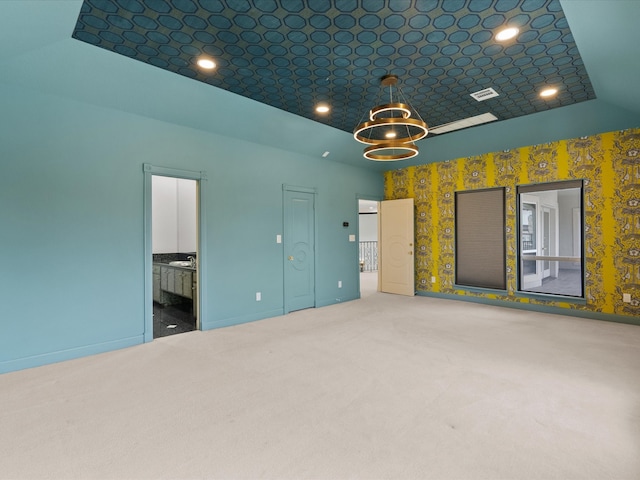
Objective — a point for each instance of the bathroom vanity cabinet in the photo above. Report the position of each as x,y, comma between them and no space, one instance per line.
177,280
169,281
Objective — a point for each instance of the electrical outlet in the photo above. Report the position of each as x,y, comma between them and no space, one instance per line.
258,296
339,283
433,279
626,297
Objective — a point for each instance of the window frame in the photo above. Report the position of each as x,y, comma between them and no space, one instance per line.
480,286
528,190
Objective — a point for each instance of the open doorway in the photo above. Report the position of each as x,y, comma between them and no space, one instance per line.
174,250
368,246
195,195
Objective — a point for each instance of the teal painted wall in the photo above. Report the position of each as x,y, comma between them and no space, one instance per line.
71,217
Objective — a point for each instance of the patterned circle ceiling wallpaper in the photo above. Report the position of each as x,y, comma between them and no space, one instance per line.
292,54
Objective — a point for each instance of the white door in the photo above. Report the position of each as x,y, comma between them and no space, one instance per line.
550,239
546,241
530,270
396,261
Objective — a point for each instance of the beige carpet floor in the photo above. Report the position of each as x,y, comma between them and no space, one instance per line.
385,387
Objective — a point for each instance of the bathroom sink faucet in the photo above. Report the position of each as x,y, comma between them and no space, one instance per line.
192,260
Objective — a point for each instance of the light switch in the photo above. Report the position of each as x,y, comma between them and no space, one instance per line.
352,238
278,238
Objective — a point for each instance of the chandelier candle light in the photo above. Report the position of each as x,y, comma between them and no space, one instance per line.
390,130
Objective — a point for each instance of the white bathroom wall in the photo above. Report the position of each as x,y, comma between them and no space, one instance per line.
164,208
173,215
187,223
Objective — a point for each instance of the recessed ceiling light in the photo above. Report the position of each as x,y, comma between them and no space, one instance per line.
548,92
507,34
206,64
390,134
325,154
322,108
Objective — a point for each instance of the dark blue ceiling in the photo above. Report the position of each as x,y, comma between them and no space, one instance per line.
291,54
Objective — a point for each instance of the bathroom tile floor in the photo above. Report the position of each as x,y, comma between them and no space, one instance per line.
172,319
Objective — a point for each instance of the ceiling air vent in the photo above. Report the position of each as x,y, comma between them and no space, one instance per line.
484,94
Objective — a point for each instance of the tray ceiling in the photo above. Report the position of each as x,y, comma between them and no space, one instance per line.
292,54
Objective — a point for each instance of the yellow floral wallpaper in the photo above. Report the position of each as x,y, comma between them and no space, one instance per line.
608,163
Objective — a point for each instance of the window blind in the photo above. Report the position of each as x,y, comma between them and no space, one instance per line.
480,238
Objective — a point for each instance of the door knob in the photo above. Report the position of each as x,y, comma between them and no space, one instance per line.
290,257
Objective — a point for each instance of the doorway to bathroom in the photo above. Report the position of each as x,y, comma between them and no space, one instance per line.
173,256
174,247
